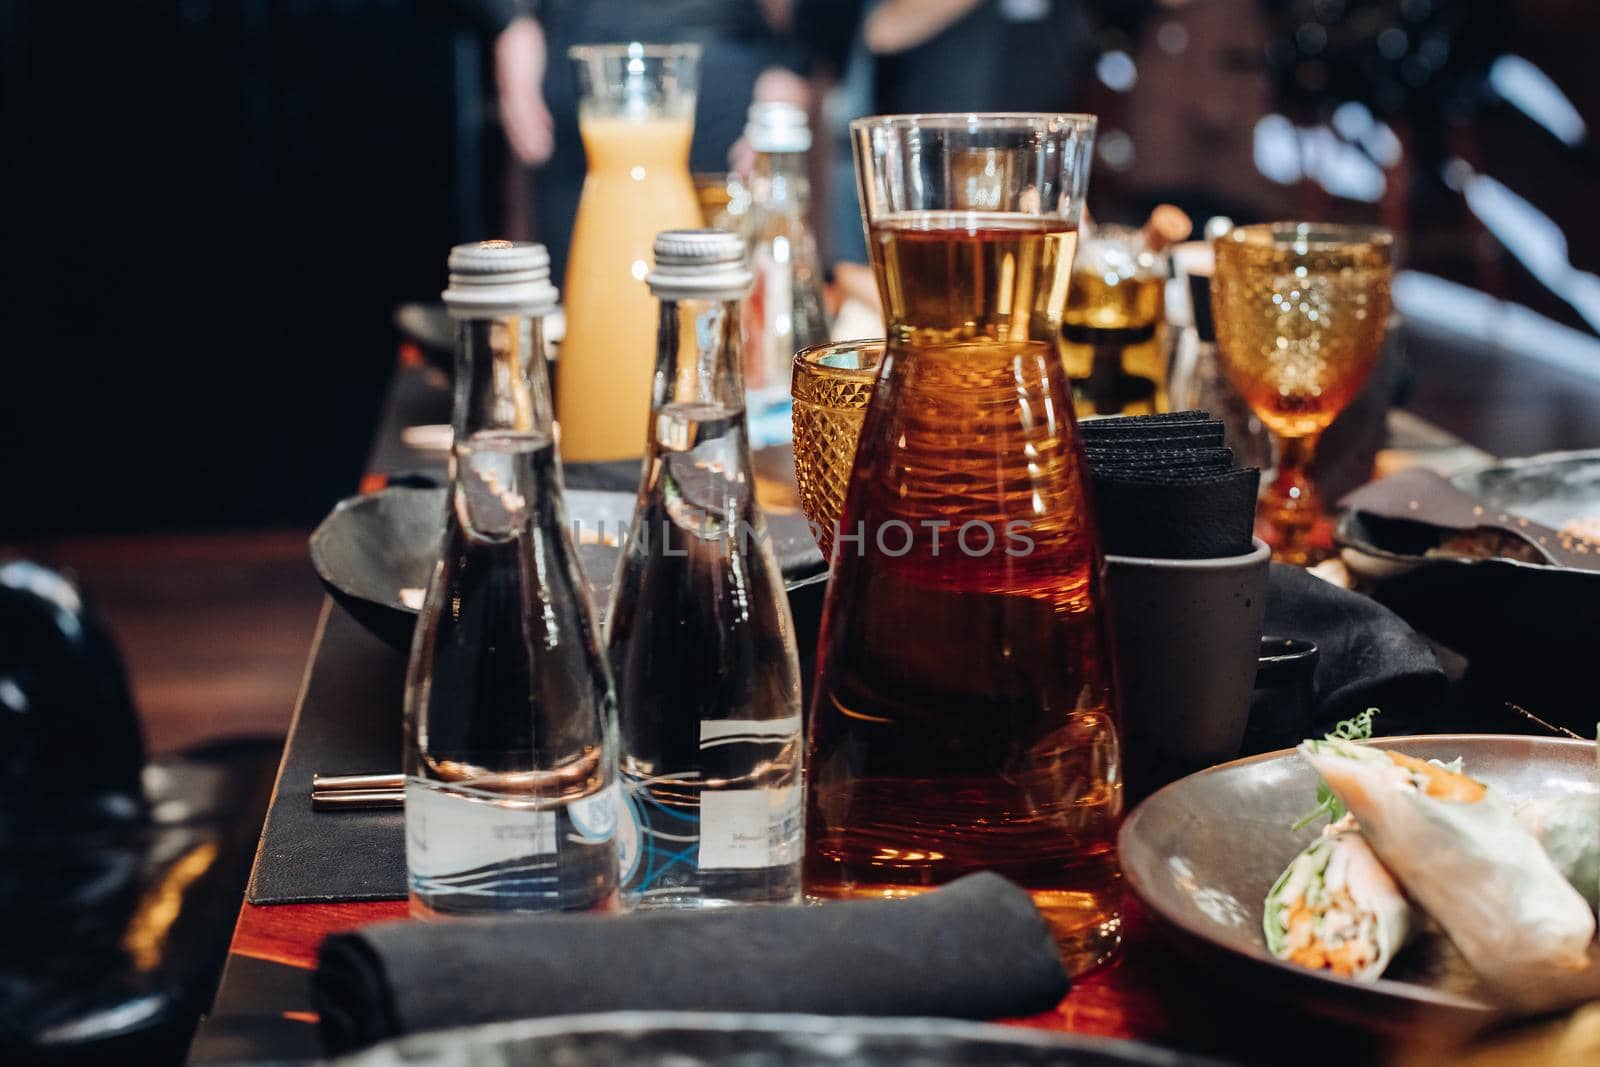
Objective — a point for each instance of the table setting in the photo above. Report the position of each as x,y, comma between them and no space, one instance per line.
1015,711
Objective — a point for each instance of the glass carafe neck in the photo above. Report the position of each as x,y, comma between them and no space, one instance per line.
502,383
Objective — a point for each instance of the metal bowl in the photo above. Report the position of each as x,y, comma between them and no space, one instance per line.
1202,853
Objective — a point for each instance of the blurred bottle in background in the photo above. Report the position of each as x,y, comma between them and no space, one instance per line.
785,311
724,199
1114,324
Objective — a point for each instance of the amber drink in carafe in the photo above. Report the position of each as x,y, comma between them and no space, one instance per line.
965,714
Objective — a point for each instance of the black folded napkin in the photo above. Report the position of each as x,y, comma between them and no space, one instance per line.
1180,515
1132,460
1186,435
1166,487
1143,422
1179,429
975,949
1369,656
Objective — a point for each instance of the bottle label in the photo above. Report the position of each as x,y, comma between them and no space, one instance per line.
743,829
448,834
595,816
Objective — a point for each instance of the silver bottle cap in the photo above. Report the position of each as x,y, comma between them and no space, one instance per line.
489,279
699,265
777,126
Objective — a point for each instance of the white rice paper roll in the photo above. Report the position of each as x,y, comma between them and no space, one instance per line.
1469,864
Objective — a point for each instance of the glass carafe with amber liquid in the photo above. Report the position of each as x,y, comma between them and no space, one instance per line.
965,714
636,116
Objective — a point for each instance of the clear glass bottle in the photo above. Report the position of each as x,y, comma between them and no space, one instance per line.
510,739
700,637
785,311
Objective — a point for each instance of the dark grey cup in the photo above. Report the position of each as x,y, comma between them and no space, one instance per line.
1187,635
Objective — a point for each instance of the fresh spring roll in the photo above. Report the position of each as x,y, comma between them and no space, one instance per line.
1569,830
1458,850
1335,908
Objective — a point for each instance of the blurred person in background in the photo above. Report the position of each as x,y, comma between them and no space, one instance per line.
911,56
747,53
977,55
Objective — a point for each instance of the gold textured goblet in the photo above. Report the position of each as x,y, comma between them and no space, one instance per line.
1301,309
831,387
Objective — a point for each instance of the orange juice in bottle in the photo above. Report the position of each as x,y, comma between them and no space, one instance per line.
636,115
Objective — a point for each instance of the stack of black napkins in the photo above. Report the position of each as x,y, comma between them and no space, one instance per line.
1166,487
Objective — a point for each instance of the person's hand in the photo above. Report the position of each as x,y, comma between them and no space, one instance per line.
519,61
775,83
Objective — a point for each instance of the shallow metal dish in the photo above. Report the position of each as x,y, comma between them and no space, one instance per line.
1554,488
1202,853
672,1039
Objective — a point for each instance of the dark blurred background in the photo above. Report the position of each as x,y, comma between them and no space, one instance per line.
213,206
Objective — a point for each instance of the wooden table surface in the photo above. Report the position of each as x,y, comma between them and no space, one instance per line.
1149,992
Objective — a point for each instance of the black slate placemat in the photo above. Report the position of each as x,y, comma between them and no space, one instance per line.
348,722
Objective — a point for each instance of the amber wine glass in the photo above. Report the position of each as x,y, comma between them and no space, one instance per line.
1301,309
831,386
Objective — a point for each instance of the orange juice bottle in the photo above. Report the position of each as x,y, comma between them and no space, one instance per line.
636,115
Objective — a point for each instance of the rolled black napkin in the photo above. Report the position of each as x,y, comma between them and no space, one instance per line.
975,949
1369,656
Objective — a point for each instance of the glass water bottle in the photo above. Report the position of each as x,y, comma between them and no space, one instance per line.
510,753
785,311
700,637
